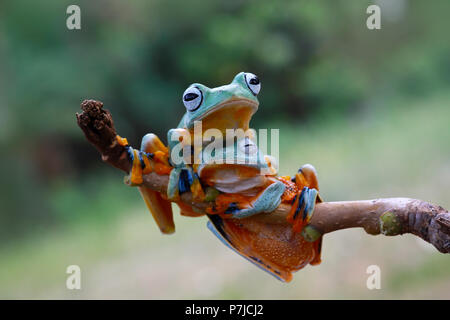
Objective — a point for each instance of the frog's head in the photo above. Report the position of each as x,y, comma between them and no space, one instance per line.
226,107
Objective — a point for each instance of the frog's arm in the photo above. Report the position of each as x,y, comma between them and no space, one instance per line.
267,201
160,208
153,156
182,178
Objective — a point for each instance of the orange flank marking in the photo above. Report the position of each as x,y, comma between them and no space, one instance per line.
223,201
290,191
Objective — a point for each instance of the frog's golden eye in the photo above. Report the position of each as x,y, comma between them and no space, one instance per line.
252,82
192,98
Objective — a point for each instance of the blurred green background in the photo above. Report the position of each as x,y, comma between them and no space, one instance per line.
369,108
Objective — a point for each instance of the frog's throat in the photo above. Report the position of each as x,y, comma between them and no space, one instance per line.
234,113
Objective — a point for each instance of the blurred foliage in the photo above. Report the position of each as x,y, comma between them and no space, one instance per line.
127,257
317,60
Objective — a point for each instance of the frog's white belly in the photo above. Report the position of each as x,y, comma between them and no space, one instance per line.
233,179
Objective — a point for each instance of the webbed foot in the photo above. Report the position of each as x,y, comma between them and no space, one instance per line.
140,161
304,202
302,208
184,179
153,156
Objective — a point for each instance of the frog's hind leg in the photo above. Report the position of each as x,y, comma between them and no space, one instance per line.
237,239
303,205
302,208
307,177
304,202
160,208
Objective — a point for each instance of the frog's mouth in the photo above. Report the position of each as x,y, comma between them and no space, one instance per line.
234,113
232,178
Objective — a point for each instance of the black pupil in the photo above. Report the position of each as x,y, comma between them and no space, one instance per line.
190,96
254,81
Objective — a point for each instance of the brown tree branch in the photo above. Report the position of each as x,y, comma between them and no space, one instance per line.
391,216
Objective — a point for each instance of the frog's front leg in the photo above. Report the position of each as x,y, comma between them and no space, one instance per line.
304,202
175,138
153,156
182,178
139,161
267,201
160,207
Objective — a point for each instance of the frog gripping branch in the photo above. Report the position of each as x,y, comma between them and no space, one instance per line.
275,222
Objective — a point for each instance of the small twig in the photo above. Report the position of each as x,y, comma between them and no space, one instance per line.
391,216
98,127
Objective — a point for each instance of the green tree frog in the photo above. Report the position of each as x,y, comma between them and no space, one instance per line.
243,183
